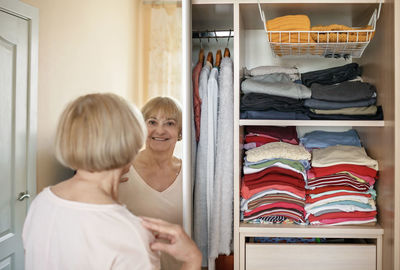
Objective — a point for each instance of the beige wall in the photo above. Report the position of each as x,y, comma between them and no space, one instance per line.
84,46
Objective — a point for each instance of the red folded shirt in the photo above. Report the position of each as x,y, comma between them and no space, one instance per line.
259,139
286,134
359,169
273,183
276,177
355,214
247,191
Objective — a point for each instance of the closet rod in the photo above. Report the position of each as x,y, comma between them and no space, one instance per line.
213,34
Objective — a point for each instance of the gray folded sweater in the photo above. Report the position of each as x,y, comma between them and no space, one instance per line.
277,84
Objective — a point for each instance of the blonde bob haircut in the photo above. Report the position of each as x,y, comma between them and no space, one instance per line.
167,106
99,132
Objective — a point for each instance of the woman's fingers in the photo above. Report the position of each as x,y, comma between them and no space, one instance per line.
123,179
164,236
178,244
159,246
162,227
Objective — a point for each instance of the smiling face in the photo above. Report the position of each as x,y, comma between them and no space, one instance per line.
162,132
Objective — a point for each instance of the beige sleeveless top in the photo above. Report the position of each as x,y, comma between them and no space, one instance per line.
143,200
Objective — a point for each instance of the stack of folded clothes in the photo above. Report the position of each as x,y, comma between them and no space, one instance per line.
340,183
273,184
337,94
271,92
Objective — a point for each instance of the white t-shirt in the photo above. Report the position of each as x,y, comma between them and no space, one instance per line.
60,234
143,200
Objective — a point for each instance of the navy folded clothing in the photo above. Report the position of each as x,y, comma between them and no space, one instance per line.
345,92
262,102
273,114
331,75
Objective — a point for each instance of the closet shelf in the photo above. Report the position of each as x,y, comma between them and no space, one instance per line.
333,41
306,123
308,1
292,230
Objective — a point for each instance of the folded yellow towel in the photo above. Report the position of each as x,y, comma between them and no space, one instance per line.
359,36
289,23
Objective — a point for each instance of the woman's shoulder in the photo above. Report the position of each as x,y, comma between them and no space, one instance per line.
177,161
133,239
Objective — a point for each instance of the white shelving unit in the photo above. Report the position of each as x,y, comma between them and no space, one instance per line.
314,123
322,42
379,137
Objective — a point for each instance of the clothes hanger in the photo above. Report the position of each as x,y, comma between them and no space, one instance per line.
218,56
201,56
227,53
201,53
210,57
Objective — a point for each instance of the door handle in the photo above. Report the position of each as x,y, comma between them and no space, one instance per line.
23,195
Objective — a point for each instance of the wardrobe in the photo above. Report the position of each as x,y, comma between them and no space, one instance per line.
368,247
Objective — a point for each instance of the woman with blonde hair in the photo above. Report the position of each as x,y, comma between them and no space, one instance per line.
79,223
154,185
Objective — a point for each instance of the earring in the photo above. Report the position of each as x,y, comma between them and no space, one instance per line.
179,137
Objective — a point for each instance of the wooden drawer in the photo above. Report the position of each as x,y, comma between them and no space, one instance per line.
311,256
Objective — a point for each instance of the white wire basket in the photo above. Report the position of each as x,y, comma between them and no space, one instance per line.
336,43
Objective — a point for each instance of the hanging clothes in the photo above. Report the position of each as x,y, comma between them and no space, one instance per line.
222,210
196,97
212,102
200,206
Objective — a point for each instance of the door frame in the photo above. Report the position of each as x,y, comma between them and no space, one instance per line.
187,99
31,14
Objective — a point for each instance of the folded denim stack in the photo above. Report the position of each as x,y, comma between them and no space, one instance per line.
334,96
272,93
274,178
340,183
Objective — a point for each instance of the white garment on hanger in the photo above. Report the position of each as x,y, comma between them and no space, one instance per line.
200,210
212,95
222,212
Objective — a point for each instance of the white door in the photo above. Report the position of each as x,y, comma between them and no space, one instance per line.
15,135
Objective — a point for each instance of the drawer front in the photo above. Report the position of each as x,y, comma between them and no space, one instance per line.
311,256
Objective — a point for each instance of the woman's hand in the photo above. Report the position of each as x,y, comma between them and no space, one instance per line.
172,239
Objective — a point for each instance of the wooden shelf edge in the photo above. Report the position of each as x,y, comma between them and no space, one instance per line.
285,230
321,123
